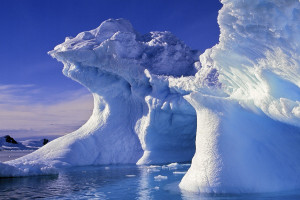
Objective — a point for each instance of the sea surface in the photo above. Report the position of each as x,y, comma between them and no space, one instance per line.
6,155
117,182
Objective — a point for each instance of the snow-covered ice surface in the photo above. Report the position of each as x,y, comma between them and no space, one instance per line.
151,92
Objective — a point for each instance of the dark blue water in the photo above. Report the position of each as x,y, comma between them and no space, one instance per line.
116,182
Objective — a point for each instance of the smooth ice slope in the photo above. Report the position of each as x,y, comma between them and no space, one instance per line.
136,118
248,135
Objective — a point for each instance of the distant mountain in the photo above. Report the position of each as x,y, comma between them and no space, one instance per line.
33,143
9,143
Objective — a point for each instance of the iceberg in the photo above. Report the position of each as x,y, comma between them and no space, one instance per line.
234,111
136,118
248,134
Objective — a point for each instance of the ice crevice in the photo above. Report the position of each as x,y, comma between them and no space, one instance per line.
234,111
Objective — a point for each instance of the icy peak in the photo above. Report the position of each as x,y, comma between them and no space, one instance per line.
111,26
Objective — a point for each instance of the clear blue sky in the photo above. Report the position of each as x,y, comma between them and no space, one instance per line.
31,28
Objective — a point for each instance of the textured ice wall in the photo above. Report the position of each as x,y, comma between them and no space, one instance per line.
136,117
130,73
248,135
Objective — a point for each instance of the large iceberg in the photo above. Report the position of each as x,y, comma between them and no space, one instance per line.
151,92
137,118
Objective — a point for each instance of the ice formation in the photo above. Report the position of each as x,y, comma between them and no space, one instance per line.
248,134
151,92
136,117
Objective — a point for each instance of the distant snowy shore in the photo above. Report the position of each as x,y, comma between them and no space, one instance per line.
7,143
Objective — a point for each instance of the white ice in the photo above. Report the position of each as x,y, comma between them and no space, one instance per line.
151,92
248,135
160,178
136,118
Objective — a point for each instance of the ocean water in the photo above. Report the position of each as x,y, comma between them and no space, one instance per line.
11,155
116,182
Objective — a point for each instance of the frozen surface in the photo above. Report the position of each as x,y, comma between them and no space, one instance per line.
151,92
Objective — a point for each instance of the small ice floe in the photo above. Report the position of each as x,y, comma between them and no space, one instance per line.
171,166
156,188
130,175
153,168
160,178
106,168
176,172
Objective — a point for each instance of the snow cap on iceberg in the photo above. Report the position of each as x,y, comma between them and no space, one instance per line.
115,47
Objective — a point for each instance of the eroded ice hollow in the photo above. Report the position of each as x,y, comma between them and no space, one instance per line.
149,88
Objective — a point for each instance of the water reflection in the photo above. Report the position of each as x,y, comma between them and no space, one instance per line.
27,187
144,187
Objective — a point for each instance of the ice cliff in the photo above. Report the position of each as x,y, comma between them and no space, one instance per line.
151,92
